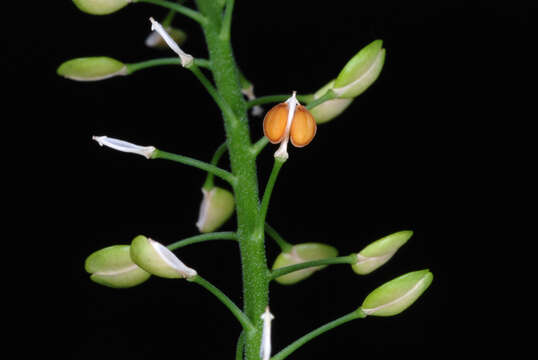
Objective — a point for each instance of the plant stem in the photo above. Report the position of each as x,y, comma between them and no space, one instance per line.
269,190
133,67
259,145
227,22
284,245
351,259
239,347
223,105
243,166
193,14
241,317
223,174
313,334
225,235
209,183
329,95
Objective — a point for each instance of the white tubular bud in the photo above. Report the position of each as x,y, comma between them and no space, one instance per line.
124,146
186,59
265,347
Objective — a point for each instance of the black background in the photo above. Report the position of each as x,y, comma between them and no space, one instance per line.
408,154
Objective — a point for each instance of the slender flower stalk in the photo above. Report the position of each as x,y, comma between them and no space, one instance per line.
240,316
315,333
223,174
351,259
133,67
277,165
284,245
209,183
193,14
225,235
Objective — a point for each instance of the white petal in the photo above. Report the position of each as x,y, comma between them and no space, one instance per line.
124,146
186,59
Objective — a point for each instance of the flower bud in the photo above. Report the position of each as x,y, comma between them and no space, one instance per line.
361,71
92,68
380,251
100,7
330,109
158,260
217,207
398,294
154,40
299,254
113,267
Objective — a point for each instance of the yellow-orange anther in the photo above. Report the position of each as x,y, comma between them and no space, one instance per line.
274,123
303,127
302,130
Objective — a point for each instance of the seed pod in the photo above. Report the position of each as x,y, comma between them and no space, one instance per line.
301,131
379,252
100,7
330,109
361,71
92,68
299,254
217,207
113,267
158,260
398,294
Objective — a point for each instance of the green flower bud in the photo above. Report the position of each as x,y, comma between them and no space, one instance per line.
361,71
217,207
380,251
398,294
154,40
100,7
113,267
158,260
299,254
329,109
92,68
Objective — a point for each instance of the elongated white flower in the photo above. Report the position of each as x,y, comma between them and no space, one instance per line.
186,59
257,110
124,146
265,347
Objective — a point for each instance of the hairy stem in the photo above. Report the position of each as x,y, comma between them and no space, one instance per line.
243,166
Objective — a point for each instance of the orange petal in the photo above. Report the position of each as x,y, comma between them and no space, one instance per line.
303,128
274,123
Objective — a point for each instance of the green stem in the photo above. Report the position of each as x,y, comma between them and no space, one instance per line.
193,14
223,105
225,235
133,67
329,95
227,21
209,183
241,317
223,174
351,259
284,245
239,347
313,334
273,99
243,166
259,145
269,189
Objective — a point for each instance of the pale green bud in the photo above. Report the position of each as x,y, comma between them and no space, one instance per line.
158,259
154,40
92,68
361,71
329,109
113,267
398,294
100,7
217,207
380,251
299,254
